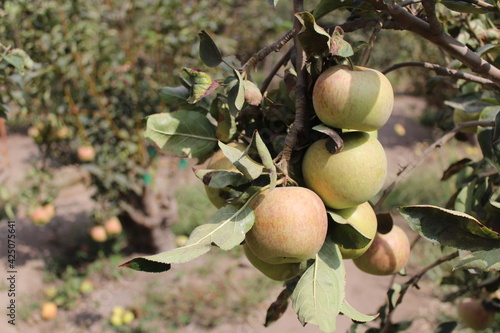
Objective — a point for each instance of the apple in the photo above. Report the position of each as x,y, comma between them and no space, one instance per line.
86,287
362,218
350,177
128,317
387,254
62,133
98,233
48,310
278,272
43,214
473,314
113,226
461,116
360,99
181,240
221,162
86,153
290,225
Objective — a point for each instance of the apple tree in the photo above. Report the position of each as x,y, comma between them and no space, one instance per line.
307,133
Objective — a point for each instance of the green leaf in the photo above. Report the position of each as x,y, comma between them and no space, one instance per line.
209,52
450,228
226,122
313,38
487,261
226,229
344,233
355,315
251,169
463,7
319,294
201,84
470,103
221,178
14,60
486,136
236,95
327,6
446,327
183,133
178,97
267,159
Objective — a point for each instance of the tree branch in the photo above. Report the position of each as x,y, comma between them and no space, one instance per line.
444,71
446,42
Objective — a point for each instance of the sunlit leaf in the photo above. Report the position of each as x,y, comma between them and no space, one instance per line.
267,159
319,294
226,229
182,133
209,52
482,260
355,315
450,228
251,169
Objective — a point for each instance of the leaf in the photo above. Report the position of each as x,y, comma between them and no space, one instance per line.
183,133
327,6
319,294
355,315
336,144
463,7
470,103
221,178
273,3
277,308
236,95
339,47
201,84
14,60
455,168
345,234
226,229
251,169
393,295
487,261
226,122
209,52
267,159
446,327
486,137
450,228
313,38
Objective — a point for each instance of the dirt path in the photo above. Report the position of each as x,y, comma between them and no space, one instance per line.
364,292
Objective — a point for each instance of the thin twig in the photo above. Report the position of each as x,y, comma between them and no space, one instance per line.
444,71
410,166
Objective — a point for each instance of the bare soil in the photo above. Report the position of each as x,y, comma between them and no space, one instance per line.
35,244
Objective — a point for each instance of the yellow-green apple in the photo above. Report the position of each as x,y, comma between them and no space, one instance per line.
113,226
181,240
361,98
290,225
43,214
128,317
350,177
48,310
98,233
278,272
364,220
387,254
219,161
461,116
86,287
473,314
86,153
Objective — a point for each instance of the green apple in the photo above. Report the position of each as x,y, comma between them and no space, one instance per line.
221,162
473,314
350,177
86,287
86,153
387,254
360,99
461,116
363,219
128,317
278,272
290,225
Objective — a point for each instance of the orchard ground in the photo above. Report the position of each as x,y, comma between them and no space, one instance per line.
219,292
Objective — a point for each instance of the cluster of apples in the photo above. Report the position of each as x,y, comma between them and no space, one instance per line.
291,223
111,227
